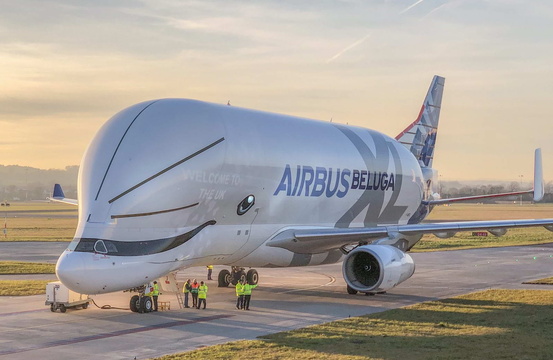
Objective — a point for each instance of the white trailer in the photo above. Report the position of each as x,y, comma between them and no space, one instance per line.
58,296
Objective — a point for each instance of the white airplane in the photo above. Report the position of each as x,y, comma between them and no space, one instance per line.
175,183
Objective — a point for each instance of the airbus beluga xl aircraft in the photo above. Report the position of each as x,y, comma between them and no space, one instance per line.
175,183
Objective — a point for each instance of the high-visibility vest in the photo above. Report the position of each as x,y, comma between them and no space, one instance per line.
239,289
248,289
155,292
202,292
186,288
194,288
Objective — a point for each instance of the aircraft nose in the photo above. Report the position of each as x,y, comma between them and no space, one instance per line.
69,270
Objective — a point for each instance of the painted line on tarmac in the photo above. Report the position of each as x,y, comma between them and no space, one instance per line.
22,312
332,281
114,334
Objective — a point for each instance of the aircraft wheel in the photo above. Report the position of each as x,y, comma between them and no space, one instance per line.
145,304
351,290
239,275
224,278
85,305
252,277
135,303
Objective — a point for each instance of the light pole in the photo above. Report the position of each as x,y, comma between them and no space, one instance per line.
521,176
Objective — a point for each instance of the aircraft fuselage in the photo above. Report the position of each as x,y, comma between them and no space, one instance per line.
175,183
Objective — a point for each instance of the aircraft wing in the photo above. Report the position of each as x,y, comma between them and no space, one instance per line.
59,196
478,197
312,241
537,191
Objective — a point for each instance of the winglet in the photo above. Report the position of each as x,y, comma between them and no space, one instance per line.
538,176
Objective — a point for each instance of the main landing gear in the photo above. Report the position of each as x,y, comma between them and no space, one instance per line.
352,291
236,274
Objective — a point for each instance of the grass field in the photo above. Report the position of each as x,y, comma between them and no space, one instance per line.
38,206
40,229
22,287
21,267
38,221
493,325
459,212
468,212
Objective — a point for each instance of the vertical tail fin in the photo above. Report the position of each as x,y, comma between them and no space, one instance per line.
420,136
58,192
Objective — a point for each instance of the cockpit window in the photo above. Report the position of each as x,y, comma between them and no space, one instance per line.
137,248
100,247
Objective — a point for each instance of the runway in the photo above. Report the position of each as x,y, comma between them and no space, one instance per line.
36,251
286,299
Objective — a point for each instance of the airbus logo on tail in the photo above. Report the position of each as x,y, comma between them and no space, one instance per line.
309,181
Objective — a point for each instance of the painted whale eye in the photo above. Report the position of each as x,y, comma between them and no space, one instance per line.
245,205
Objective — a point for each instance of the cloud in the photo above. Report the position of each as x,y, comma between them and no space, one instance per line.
410,7
348,48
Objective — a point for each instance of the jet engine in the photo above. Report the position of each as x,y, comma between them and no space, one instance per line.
375,268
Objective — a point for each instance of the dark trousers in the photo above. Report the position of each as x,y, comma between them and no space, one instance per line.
200,301
246,302
194,299
155,302
209,272
186,300
240,302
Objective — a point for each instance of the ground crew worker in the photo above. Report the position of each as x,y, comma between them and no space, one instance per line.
155,294
186,290
209,271
247,295
240,294
202,294
194,292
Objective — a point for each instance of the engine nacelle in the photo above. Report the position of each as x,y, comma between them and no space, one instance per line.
374,268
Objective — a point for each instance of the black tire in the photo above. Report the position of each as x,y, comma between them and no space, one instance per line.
62,308
237,276
252,277
351,290
135,303
52,308
85,305
146,304
224,278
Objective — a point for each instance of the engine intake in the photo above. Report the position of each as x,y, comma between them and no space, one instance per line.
374,268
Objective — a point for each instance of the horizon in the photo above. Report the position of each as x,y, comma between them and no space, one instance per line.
69,66
441,179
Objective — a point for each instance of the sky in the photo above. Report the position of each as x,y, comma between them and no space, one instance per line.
66,67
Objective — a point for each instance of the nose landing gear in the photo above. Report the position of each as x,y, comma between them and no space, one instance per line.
141,303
